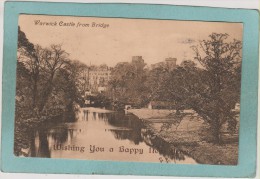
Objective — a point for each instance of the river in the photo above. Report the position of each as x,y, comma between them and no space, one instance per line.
99,134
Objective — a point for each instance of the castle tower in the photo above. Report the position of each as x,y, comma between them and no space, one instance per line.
170,62
137,59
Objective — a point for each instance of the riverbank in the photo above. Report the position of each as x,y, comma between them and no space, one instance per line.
98,110
189,134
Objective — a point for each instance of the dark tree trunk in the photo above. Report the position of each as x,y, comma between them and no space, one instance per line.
32,145
44,150
35,76
216,134
35,91
46,93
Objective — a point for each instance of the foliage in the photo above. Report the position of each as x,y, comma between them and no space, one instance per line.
210,85
221,62
47,86
127,83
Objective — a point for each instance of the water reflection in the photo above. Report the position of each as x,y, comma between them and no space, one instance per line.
132,135
107,130
43,150
163,147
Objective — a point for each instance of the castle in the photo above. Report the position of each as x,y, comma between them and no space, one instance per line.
169,63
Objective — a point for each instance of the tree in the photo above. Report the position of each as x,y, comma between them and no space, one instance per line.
221,62
80,73
156,84
27,61
65,91
127,83
24,98
213,89
24,43
54,59
47,87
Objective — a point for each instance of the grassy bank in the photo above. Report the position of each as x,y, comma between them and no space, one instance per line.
190,135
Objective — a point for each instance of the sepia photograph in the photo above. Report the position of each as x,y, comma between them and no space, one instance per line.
132,90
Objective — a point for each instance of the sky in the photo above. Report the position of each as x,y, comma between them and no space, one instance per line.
113,40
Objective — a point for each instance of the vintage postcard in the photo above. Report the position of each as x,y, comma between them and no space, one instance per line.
133,90
165,92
